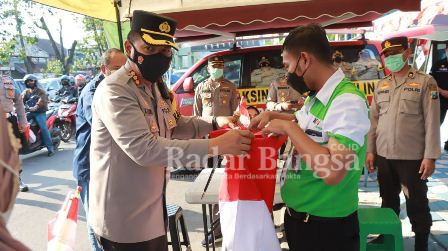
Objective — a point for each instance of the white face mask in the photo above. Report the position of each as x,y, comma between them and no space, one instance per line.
7,214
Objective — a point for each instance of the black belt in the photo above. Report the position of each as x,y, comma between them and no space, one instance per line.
306,217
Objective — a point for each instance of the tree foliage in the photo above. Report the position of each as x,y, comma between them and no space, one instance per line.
12,14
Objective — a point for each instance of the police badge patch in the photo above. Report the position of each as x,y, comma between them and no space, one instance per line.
433,92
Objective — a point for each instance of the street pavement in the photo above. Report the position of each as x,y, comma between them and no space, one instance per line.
50,179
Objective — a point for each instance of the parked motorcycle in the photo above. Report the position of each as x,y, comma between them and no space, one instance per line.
34,140
65,119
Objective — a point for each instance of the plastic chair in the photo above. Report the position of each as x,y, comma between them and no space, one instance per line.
380,221
175,216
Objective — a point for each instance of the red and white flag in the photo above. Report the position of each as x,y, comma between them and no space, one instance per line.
62,228
246,197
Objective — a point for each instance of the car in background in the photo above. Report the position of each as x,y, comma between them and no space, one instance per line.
176,75
51,86
252,70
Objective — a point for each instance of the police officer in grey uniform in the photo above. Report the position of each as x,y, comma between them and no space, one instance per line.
404,139
136,134
11,101
282,98
216,96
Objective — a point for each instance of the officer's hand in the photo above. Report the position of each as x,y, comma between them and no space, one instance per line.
370,160
230,121
277,127
285,106
427,168
22,127
260,121
234,142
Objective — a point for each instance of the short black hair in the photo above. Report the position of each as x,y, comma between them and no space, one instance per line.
133,36
311,38
253,107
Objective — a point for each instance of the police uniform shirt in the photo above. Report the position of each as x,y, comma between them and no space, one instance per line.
132,129
215,98
405,117
11,101
440,73
280,92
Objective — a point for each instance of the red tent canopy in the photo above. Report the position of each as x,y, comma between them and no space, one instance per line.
278,17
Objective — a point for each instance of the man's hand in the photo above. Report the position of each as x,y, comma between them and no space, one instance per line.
234,142
288,106
370,160
34,108
22,127
227,121
443,93
260,121
427,168
277,127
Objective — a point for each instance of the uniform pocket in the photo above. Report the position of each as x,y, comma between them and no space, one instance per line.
9,91
206,99
224,98
410,103
383,103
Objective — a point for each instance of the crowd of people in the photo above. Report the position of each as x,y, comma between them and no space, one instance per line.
126,121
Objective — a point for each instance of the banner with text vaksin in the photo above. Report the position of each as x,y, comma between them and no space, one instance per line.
246,196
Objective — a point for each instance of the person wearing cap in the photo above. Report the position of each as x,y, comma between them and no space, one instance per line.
338,61
282,98
12,103
265,74
440,73
404,139
216,96
136,133
367,67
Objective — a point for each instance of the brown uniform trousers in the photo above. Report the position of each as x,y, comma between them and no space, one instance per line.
405,130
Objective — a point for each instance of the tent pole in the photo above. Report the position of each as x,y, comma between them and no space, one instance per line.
117,14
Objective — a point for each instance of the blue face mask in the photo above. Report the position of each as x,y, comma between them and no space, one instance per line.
216,73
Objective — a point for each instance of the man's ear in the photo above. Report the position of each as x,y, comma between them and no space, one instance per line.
305,59
103,69
127,47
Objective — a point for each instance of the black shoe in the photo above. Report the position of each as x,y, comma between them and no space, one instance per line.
378,240
23,187
50,153
218,237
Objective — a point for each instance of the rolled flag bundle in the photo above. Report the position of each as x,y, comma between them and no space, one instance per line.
244,120
62,228
246,196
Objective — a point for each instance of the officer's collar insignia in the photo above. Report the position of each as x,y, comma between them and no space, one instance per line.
135,77
165,27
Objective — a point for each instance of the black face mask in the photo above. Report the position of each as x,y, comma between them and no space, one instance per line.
338,59
297,82
27,84
152,67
